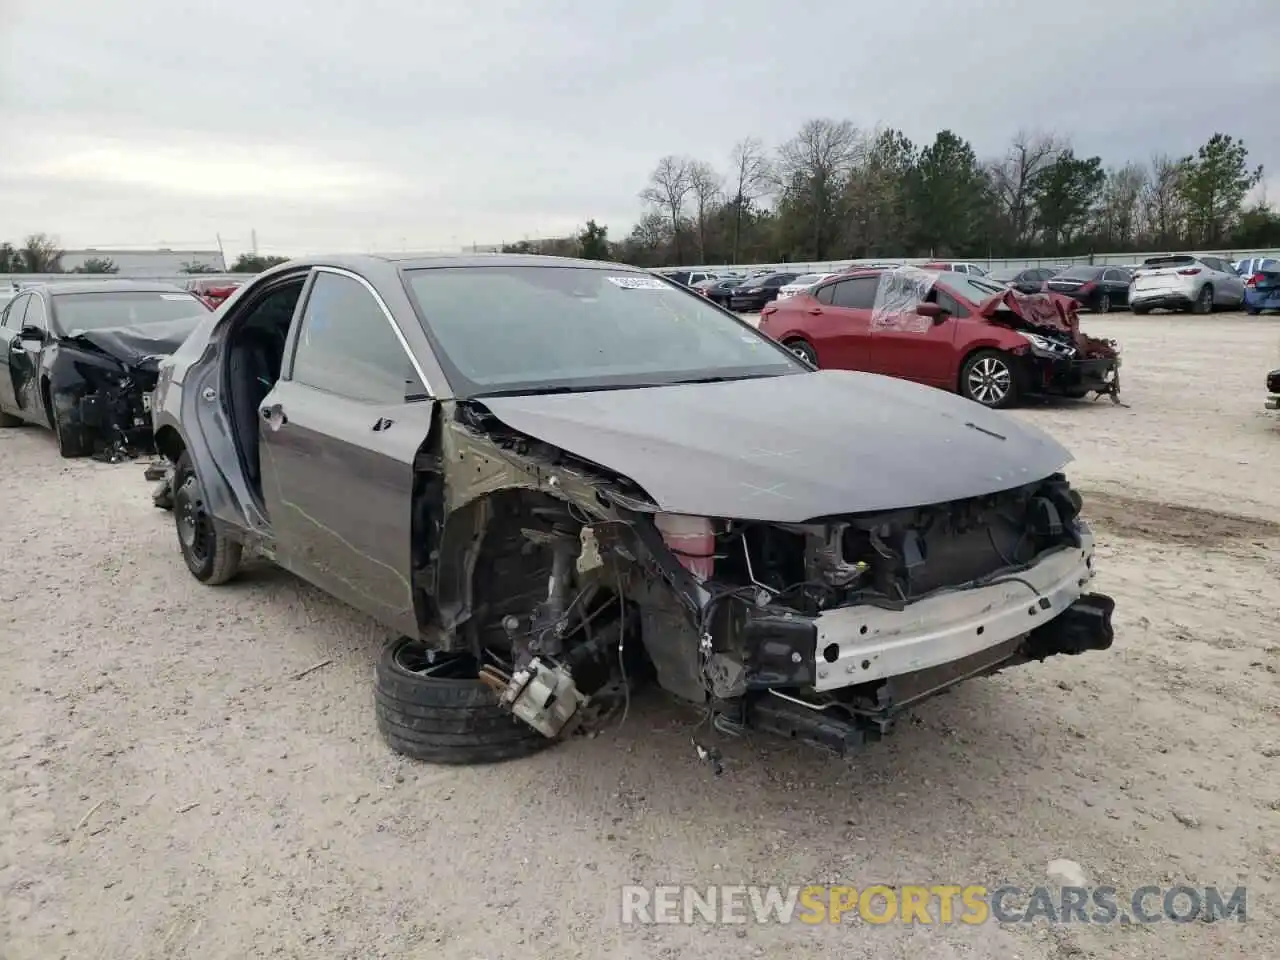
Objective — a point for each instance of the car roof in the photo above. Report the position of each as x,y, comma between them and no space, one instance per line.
414,261
56,287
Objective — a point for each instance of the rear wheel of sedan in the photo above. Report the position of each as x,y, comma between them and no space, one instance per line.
432,706
990,378
1104,303
1204,302
803,349
210,555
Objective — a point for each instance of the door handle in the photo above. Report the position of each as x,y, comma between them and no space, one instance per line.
274,413
814,311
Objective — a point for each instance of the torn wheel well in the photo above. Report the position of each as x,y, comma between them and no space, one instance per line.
482,567
169,443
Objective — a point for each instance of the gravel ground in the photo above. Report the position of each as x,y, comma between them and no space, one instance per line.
168,790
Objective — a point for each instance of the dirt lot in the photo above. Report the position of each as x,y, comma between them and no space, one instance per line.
168,790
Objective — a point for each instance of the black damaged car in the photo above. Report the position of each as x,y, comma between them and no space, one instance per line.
553,478
80,358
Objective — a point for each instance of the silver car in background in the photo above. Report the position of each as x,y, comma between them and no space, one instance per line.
1185,282
802,283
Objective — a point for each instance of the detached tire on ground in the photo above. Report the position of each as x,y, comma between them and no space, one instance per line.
441,713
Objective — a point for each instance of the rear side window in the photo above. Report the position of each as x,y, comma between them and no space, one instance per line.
346,345
856,294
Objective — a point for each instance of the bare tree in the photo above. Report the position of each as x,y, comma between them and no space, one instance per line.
704,184
1164,212
813,168
1119,210
40,253
1013,176
752,176
669,187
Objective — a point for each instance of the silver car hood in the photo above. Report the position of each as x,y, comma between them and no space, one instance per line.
791,448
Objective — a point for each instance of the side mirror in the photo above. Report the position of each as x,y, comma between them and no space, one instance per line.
931,310
32,332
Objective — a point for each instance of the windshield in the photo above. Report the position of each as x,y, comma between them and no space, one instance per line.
518,329
122,308
974,289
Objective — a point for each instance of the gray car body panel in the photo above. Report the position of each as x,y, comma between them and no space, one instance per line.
783,449
792,448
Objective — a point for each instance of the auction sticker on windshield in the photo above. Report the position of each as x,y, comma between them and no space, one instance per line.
637,283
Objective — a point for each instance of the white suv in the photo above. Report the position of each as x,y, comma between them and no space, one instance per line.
1185,282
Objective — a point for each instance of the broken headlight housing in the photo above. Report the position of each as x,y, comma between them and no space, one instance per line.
1047,347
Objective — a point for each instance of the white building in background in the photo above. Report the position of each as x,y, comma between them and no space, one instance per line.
147,263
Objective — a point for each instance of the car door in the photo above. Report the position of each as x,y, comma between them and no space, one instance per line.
841,323
10,328
1232,284
339,434
919,348
1116,283
24,363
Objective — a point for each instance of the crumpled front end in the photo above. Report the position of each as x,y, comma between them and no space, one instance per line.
102,380
570,584
105,400
825,632
1060,359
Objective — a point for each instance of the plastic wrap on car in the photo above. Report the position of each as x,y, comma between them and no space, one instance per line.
898,294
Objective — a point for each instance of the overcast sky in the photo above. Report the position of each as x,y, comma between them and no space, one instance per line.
425,125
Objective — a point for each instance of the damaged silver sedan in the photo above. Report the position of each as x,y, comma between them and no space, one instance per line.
555,480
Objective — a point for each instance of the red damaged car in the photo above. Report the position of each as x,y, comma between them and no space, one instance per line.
950,330
213,290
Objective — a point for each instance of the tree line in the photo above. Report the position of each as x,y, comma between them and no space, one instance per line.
40,253
837,192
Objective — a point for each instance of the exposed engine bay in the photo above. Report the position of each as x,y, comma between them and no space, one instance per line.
571,586
101,382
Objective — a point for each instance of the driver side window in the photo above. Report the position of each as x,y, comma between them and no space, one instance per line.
346,345
35,313
949,303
